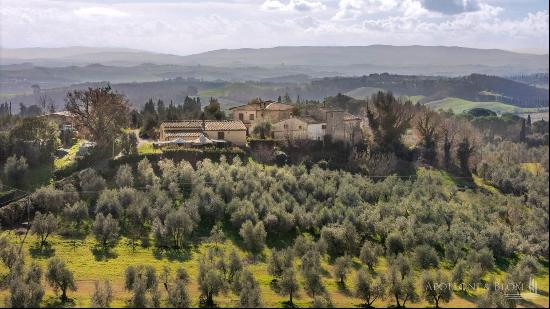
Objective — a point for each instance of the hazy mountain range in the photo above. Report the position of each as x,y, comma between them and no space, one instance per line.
241,74
255,64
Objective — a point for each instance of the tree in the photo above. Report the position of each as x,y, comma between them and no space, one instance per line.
403,290
279,261
60,277
235,265
210,281
75,214
288,284
179,226
459,273
463,153
91,182
342,266
369,254
178,296
389,121
25,290
367,289
213,110
108,203
35,138
142,281
426,257
106,231
437,287
99,113
394,244
129,143
250,295
102,295
124,176
262,128
253,236
427,127
16,169
44,225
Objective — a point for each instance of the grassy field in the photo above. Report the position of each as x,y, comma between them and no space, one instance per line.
147,148
459,106
87,269
69,158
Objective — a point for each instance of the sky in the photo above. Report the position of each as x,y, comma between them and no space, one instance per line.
185,27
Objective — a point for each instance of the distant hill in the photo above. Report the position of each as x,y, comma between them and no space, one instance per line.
474,87
339,60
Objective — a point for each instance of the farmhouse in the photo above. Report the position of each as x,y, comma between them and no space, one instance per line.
231,131
261,110
296,128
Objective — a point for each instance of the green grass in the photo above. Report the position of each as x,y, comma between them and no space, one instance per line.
147,148
69,158
87,269
460,105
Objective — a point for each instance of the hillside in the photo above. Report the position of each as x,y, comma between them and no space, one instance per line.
344,60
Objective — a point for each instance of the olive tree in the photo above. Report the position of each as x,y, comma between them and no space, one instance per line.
102,295
436,287
60,277
142,281
342,266
44,225
253,236
289,285
368,289
105,230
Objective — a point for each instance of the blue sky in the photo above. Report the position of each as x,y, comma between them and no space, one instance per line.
186,26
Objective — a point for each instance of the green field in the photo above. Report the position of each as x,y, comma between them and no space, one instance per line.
88,269
459,106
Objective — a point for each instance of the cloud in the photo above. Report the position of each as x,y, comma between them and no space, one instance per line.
184,27
294,5
97,11
451,7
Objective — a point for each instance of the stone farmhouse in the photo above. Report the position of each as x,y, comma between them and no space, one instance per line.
224,131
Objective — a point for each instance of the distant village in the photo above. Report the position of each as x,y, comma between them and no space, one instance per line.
315,124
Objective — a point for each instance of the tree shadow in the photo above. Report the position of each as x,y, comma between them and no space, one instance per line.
342,288
55,302
287,304
172,254
103,254
45,251
274,285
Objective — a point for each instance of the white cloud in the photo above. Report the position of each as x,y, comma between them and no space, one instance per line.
184,27
294,5
97,11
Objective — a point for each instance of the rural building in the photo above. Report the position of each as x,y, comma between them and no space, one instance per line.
232,131
261,110
296,128
339,125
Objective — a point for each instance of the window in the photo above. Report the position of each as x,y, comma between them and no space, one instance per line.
221,135
241,116
251,116
324,126
286,126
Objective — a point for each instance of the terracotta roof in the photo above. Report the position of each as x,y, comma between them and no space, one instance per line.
247,107
278,107
310,120
210,125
